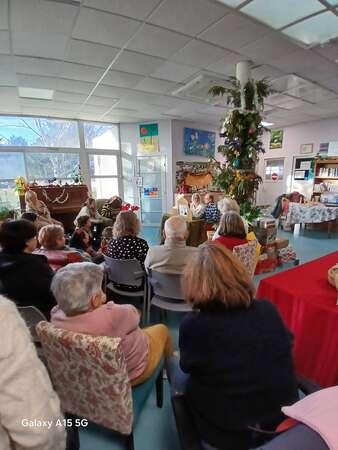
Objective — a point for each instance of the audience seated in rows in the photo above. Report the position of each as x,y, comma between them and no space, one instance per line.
26,393
231,230
174,254
53,246
82,308
38,207
197,207
125,243
236,351
82,239
211,213
25,278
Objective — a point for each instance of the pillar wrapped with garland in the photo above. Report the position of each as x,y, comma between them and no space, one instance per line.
242,131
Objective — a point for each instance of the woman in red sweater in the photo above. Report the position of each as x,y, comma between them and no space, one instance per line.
231,230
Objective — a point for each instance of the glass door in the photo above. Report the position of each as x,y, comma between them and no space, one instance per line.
151,187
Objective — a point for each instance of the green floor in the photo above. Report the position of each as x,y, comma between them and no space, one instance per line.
156,427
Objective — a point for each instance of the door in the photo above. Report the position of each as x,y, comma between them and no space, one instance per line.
152,188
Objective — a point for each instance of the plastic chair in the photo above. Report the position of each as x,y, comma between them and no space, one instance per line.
166,292
90,377
32,316
130,273
246,253
187,431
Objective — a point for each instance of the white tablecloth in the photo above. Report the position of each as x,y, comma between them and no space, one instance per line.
303,213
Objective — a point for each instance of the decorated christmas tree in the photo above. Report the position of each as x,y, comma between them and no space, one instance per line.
242,131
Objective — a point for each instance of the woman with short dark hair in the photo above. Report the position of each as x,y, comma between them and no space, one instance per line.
236,351
25,278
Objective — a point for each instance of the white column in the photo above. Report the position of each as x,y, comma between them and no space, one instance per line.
243,72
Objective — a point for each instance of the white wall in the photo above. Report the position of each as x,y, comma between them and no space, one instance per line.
315,133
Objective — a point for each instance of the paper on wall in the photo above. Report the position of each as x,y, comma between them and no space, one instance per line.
299,174
305,165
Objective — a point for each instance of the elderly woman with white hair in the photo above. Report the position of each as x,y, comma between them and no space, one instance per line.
82,308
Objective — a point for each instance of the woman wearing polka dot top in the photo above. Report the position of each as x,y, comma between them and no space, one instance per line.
125,243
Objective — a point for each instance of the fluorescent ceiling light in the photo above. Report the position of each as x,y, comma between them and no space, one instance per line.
267,124
40,94
277,14
316,30
232,3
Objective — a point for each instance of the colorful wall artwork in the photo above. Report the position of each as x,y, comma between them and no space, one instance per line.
199,142
149,139
151,191
276,139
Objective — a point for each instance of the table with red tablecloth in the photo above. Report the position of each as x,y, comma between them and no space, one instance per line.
307,303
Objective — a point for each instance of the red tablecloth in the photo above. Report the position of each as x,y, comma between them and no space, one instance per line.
307,304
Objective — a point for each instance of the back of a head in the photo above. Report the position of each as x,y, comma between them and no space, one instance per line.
115,202
82,220
215,278
126,224
74,286
231,224
175,228
14,235
32,217
49,235
107,233
228,204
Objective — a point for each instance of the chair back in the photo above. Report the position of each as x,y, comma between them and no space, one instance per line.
89,375
32,316
166,285
246,253
124,271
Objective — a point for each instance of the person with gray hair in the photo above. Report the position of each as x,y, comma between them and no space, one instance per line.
82,308
174,254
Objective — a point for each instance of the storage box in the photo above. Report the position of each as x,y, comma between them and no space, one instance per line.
281,243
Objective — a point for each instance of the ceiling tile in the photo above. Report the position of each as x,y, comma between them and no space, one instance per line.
37,66
158,41
265,71
37,82
7,71
100,101
188,16
81,72
104,28
137,63
90,54
284,101
199,54
156,86
4,43
266,48
60,96
278,14
41,28
3,14
328,50
122,79
80,87
174,72
111,92
331,84
226,66
138,9
234,31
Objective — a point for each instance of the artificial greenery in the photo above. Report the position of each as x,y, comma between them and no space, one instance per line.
242,131
6,213
250,212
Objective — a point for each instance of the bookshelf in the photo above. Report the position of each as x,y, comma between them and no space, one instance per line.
325,175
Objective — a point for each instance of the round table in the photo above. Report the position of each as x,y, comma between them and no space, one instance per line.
196,228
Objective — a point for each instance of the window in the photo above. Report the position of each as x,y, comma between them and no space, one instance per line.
47,166
101,136
104,187
38,132
12,165
102,165
274,169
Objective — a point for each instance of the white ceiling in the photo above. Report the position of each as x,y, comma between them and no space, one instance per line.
120,60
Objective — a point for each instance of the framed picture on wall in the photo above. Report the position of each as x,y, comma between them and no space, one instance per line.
276,139
306,149
199,142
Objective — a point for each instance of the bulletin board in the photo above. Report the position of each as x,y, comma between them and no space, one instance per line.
304,169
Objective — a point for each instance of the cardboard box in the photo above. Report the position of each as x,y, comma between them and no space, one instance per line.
281,243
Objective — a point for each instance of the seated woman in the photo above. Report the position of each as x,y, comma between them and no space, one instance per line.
82,308
26,393
196,206
81,238
112,208
53,246
38,207
88,209
125,243
25,278
236,350
231,230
